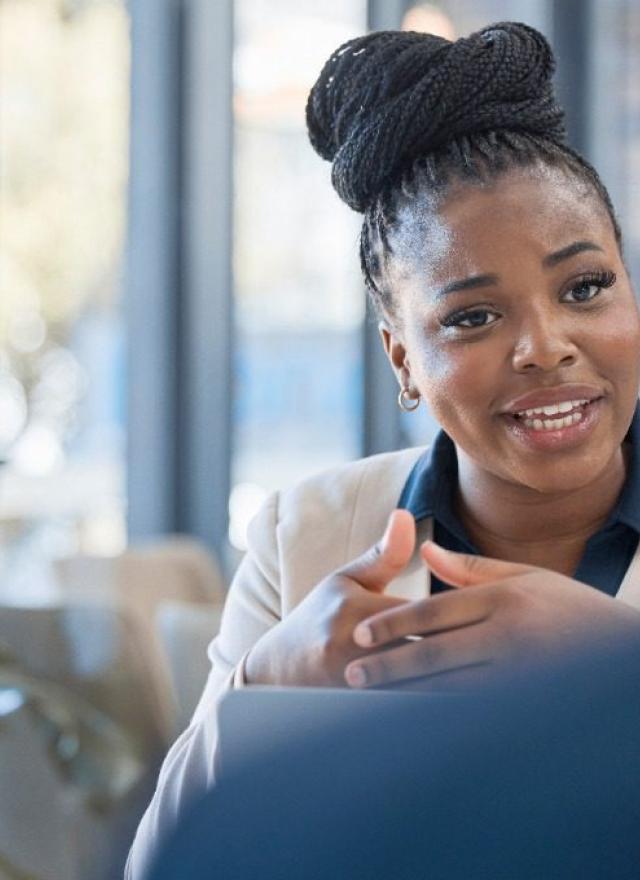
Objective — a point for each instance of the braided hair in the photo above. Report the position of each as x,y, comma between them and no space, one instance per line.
402,116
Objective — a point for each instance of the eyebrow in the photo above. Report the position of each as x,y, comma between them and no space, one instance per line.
551,260
570,251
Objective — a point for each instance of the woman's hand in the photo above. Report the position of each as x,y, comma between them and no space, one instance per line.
313,644
502,615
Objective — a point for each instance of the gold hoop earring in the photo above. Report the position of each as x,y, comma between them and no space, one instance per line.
403,400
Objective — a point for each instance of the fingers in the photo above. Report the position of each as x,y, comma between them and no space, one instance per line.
434,654
383,562
467,570
446,611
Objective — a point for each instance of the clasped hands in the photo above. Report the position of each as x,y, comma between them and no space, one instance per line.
501,614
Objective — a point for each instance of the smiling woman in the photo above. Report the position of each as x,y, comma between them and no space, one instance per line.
549,319
493,256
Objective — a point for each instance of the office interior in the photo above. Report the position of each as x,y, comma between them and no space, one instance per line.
183,331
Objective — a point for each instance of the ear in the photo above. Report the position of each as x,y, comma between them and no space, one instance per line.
396,352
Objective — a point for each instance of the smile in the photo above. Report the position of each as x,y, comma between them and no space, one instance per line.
554,417
556,426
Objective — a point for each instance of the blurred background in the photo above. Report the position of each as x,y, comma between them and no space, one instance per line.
183,329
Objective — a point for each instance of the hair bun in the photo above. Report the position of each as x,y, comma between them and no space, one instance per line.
386,98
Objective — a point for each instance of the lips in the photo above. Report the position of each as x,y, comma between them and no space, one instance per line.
553,435
549,397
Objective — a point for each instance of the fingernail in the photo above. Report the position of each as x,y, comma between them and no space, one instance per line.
356,676
363,635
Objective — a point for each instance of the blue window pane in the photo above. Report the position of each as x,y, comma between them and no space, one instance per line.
299,298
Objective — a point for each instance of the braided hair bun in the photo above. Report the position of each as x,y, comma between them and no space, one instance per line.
385,99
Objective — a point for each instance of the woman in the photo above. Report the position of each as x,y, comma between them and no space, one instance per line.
493,256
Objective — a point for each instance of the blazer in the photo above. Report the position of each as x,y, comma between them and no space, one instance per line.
296,539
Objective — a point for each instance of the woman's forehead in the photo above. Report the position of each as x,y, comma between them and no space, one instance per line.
544,201
523,215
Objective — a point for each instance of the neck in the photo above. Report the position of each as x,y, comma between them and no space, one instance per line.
517,523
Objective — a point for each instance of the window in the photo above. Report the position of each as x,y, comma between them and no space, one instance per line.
299,300
63,166
614,130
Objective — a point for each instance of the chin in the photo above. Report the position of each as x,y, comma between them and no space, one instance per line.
558,484
562,476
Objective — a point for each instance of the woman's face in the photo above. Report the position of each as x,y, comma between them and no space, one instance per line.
509,298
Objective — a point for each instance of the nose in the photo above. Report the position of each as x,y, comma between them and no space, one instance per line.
544,344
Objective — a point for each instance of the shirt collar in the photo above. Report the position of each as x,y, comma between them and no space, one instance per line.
430,487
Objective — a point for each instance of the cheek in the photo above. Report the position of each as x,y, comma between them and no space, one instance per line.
459,382
456,380
616,347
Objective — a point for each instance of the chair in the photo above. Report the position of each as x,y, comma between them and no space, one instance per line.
96,652
140,581
86,689
33,805
185,631
176,568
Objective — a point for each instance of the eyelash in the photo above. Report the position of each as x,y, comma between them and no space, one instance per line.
599,280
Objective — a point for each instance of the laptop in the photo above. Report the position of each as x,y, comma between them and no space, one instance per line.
254,721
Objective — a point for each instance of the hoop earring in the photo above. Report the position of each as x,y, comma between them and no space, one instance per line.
403,400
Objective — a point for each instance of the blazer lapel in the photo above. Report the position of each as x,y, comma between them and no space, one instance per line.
415,582
629,590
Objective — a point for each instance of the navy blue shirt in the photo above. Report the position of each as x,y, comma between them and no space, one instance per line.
430,491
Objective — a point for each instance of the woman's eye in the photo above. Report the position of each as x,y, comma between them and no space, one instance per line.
583,292
476,318
589,288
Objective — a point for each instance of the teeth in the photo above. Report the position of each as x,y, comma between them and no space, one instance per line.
552,410
554,424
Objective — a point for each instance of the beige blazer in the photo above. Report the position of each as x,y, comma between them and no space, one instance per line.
297,538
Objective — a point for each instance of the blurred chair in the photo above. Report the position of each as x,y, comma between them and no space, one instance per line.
34,806
185,632
96,653
177,568
141,581
81,748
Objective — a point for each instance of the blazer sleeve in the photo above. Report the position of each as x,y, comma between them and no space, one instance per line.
252,607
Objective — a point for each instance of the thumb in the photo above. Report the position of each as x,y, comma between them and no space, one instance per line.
467,570
385,560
